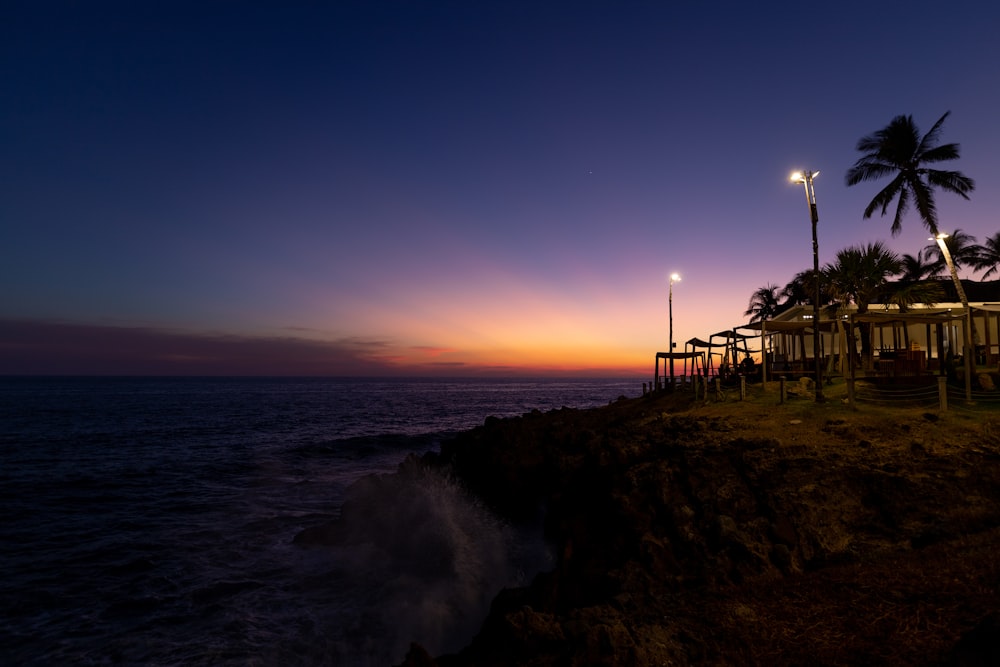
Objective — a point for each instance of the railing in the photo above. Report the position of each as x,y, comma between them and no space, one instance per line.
942,396
935,394
917,395
980,401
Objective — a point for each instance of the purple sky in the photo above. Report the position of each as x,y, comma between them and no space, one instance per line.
447,187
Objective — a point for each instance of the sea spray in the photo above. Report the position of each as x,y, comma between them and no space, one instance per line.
431,557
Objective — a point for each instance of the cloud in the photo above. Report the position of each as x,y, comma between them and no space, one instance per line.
432,351
35,347
46,347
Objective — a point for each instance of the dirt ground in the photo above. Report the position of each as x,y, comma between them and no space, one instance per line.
905,593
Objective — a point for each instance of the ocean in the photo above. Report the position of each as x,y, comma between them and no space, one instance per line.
151,521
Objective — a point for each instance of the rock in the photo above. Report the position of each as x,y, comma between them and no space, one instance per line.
671,526
417,656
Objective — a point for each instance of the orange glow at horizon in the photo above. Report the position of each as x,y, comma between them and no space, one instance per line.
500,320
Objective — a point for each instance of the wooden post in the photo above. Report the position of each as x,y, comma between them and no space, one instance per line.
743,388
763,354
986,329
850,393
943,393
781,390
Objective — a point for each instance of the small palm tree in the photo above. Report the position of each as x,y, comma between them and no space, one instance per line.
989,256
763,303
860,275
801,290
906,295
899,151
915,268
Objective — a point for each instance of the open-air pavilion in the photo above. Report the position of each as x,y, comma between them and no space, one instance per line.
911,343
697,360
786,352
921,341
732,358
902,343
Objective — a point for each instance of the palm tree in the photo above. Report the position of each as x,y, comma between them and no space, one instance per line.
962,247
915,268
860,275
763,303
898,150
989,256
801,290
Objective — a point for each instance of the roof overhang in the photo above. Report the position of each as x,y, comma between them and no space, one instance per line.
884,318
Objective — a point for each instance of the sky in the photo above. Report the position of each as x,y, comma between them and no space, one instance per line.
417,188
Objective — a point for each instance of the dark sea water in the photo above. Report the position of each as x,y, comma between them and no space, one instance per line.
151,521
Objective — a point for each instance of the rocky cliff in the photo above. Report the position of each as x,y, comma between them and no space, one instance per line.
743,533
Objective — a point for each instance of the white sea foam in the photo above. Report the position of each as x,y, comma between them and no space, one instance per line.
433,555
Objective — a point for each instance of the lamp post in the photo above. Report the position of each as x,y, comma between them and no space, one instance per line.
674,278
806,179
969,350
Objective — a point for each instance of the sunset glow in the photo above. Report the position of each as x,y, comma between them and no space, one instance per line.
344,190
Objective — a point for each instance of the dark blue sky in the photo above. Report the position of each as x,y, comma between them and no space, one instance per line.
449,186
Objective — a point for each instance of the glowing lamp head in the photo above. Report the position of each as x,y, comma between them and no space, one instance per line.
675,277
799,177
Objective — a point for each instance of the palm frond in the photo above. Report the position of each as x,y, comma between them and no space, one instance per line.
901,208
927,292
988,256
930,139
867,169
932,255
952,181
885,197
924,199
941,153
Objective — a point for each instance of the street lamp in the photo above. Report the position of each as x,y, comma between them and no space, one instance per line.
674,278
969,350
806,179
